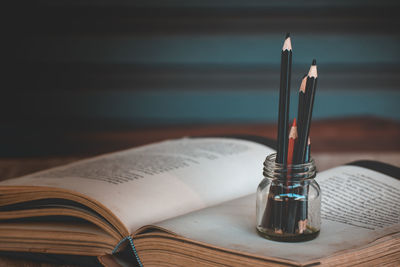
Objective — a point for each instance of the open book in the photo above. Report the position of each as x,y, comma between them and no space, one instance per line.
191,202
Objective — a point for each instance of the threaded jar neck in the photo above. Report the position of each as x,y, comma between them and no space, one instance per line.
293,172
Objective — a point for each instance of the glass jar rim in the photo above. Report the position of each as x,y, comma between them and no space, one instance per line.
294,172
271,159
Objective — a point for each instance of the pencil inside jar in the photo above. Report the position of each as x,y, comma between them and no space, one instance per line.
288,209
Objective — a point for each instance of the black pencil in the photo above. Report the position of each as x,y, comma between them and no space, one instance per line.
284,102
308,149
302,93
302,213
300,114
311,86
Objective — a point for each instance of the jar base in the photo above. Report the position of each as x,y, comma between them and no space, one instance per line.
286,237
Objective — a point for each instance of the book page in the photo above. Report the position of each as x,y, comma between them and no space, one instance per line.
232,225
162,180
360,197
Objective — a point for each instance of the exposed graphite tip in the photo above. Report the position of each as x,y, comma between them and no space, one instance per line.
287,35
314,62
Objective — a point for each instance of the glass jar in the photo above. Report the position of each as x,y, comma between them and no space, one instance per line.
288,204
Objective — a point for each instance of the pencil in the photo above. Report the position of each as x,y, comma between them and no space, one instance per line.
308,148
291,146
292,141
284,96
303,207
290,203
311,86
300,113
302,92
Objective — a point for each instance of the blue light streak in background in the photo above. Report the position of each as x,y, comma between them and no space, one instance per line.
220,49
153,107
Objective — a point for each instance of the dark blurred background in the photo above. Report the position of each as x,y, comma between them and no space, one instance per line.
111,65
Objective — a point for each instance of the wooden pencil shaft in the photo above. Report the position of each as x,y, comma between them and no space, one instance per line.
300,108
300,121
290,222
308,149
302,92
284,103
300,113
291,145
303,139
309,111
307,99
307,153
278,207
303,207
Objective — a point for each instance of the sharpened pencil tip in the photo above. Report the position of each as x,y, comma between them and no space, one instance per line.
293,130
287,45
314,62
303,84
287,35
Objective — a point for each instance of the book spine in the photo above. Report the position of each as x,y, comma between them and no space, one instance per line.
129,238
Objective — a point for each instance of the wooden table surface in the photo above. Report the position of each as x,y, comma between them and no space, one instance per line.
334,142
